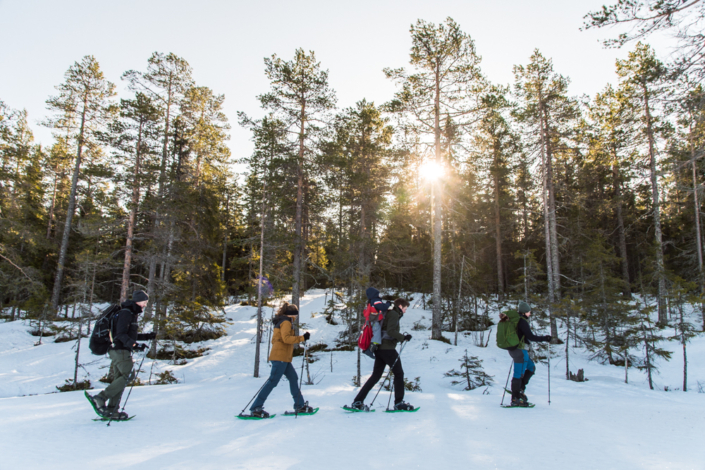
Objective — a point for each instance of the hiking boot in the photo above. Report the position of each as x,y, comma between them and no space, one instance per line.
402,406
118,415
358,405
523,397
97,400
259,413
519,402
304,408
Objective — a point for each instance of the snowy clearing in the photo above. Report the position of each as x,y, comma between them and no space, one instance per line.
600,424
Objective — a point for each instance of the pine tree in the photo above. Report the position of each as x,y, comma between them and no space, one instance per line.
445,83
640,81
472,373
81,109
299,97
549,114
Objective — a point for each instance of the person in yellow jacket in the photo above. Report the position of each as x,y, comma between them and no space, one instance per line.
283,341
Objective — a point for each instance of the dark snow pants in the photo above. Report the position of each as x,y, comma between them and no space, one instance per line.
524,368
280,368
385,357
121,365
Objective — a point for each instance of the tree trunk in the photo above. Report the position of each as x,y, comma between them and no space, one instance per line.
53,202
299,239
69,214
660,268
261,271
436,322
547,236
131,221
498,233
627,291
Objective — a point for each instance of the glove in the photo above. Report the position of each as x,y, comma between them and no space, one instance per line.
548,338
140,347
407,337
307,335
373,347
150,336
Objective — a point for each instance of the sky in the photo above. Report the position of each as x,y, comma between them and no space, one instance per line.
226,41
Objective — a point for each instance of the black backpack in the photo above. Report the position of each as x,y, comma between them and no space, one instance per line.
102,337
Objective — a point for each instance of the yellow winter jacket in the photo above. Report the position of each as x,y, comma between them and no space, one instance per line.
283,340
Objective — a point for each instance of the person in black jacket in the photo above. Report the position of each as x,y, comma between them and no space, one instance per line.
524,367
387,355
124,338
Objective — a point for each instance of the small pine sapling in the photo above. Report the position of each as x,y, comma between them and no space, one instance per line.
472,373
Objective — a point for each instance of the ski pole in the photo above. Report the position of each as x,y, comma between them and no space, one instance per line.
301,379
388,374
131,387
507,382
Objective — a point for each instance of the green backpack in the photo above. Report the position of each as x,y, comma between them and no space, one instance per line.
507,336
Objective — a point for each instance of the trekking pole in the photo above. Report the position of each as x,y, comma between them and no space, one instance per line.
549,374
391,391
388,374
301,379
507,382
131,387
253,397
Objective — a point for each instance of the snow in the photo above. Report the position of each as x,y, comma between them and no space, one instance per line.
600,424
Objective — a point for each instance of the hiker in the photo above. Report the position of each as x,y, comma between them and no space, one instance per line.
386,355
283,341
124,338
524,367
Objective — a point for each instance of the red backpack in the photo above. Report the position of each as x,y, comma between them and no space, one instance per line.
363,342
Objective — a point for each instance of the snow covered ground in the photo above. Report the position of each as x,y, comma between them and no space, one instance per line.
600,424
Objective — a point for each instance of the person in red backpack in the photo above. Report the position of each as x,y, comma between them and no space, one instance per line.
386,355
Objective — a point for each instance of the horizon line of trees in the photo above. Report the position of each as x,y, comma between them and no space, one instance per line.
572,203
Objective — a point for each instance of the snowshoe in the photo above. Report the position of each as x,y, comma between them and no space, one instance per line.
403,407
519,403
311,411
105,419
257,413
358,407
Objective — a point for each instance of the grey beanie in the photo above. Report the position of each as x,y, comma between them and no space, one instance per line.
524,307
139,296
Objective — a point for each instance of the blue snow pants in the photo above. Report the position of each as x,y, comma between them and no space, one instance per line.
280,368
522,363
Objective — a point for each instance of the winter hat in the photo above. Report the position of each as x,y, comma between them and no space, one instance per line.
524,307
139,296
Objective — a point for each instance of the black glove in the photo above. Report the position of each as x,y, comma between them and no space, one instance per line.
307,335
150,336
140,347
548,338
407,337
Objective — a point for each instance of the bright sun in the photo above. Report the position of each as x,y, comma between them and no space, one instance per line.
431,170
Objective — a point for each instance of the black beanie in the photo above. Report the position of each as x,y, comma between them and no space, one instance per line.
139,296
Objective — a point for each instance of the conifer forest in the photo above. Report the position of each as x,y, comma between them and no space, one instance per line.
469,192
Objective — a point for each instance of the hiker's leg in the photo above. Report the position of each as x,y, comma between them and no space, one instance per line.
293,379
398,378
519,364
278,368
530,369
121,363
377,372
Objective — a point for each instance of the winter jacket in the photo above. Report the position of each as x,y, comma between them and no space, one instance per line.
125,327
524,331
390,328
376,301
283,340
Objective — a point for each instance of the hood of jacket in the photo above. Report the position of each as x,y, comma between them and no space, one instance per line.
279,319
131,306
372,293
